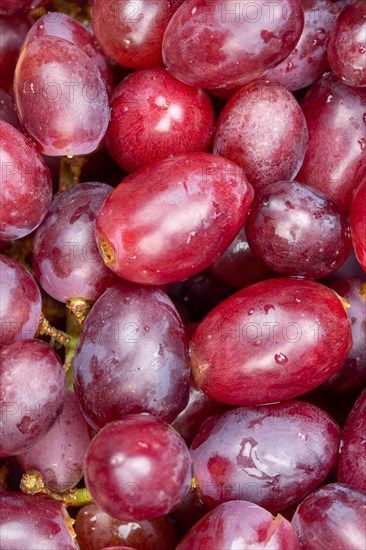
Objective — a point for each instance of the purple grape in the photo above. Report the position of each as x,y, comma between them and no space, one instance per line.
59,455
272,455
7,110
131,357
332,517
66,260
13,33
20,302
34,523
138,468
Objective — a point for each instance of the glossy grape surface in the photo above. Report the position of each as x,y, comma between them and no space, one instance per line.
34,523
66,260
173,218
332,517
270,341
224,44
138,468
335,156
13,33
347,46
96,529
20,302
352,461
63,108
26,186
132,357
155,116
358,223
272,455
296,230
224,528
59,455
263,130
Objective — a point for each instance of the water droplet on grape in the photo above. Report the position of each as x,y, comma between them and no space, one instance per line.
362,49
281,359
146,328
267,307
329,98
289,67
161,349
362,143
250,312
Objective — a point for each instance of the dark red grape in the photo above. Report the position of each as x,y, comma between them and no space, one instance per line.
131,33
272,455
270,341
13,33
59,455
296,230
20,300
63,26
224,44
138,468
33,391
96,529
155,116
347,46
308,60
358,223
63,107
263,130
12,7
7,111
335,157
332,517
190,510
66,260
352,462
132,357
174,218
240,524
26,186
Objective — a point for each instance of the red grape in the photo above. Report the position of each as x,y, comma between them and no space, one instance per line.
332,517
26,186
138,468
347,46
335,157
272,455
352,462
20,302
131,357
224,44
296,230
155,116
13,33
270,341
240,524
263,130
11,7
33,391
173,218
358,223
61,98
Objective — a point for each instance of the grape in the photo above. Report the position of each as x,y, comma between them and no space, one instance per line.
190,510
272,455
347,45
332,517
33,391
96,529
155,116
308,60
61,25
225,44
7,110
13,33
358,223
352,462
240,524
63,107
173,218
270,341
59,455
12,7
138,468
26,186
353,372
66,260
20,302
263,130
238,266
131,357
335,115
297,231
131,33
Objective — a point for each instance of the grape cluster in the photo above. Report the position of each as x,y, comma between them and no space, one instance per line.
182,275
